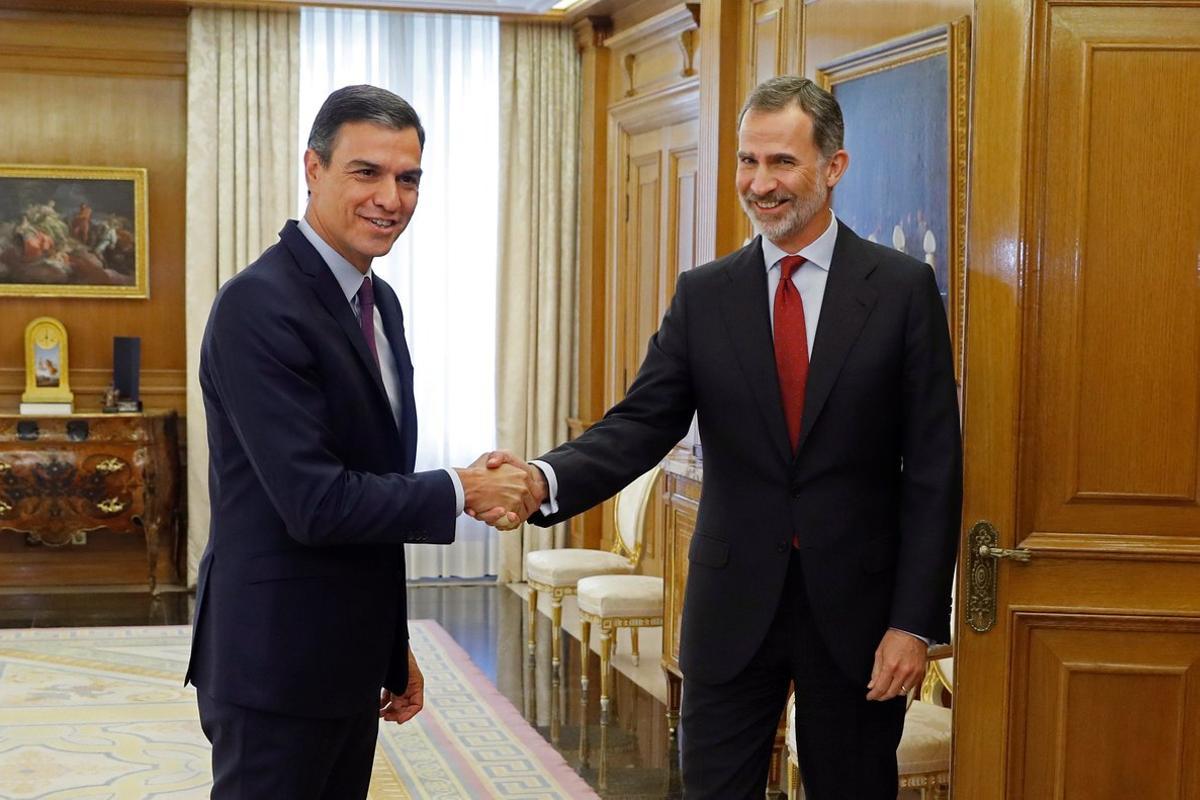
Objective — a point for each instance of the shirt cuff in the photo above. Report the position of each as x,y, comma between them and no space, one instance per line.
551,505
460,497
914,635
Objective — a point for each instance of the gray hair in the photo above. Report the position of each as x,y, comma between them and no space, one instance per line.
822,107
360,104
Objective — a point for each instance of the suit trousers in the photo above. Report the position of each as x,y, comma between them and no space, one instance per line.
258,754
846,744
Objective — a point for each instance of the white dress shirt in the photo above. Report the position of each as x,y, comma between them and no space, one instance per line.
350,280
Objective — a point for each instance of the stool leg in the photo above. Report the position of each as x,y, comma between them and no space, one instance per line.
556,630
585,634
674,695
602,776
606,634
532,620
633,638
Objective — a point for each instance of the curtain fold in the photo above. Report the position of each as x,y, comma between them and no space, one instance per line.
243,71
444,266
536,330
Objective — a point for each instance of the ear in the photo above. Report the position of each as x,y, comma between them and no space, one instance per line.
312,167
836,168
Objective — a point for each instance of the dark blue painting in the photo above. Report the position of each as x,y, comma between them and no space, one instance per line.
897,190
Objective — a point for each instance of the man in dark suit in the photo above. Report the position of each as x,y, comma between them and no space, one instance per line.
301,639
820,367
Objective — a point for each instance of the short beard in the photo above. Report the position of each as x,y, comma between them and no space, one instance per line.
804,208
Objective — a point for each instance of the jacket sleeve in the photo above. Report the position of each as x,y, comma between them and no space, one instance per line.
259,373
637,432
931,478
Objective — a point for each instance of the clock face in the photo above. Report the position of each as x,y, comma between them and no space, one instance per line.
45,336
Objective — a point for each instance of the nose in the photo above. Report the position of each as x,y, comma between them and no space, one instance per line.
762,182
387,196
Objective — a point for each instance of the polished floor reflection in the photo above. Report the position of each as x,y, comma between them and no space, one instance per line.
630,758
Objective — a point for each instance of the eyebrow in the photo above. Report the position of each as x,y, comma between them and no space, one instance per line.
359,163
767,157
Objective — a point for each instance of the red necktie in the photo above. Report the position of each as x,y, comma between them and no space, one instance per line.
366,314
791,346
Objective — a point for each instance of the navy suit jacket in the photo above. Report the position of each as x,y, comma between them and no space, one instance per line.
874,491
300,602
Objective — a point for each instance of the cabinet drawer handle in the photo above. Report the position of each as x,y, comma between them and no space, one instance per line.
4,467
110,465
4,507
111,506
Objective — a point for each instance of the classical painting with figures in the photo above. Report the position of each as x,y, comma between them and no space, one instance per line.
905,109
67,231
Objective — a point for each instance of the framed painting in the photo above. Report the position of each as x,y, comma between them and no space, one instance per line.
905,104
73,232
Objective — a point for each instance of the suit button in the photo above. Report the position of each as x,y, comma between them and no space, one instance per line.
796,491
782,547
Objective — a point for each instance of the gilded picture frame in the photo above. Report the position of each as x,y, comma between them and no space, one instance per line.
47,362
906,105
69,231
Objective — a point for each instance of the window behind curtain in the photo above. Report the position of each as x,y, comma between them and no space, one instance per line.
444,266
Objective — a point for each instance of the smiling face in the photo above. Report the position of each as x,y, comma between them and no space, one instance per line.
363,199
782,178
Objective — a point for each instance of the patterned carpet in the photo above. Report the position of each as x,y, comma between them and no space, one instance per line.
100,714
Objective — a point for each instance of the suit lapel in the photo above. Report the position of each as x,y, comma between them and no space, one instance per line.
748,323
845,308
327,290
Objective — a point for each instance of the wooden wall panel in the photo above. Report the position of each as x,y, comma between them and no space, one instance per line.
682,498
681,224
1116,403
102,90
641,265
1114,707
654,54
834,28
590,33
766,39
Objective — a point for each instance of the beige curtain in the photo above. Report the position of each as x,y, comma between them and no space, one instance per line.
243,94
539,142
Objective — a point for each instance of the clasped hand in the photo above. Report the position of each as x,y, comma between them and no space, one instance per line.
502,490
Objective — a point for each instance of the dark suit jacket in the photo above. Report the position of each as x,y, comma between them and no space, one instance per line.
300,602
874,492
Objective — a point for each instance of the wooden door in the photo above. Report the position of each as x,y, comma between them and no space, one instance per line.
657,232
1082,406
654,239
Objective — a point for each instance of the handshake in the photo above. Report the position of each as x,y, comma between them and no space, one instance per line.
502,490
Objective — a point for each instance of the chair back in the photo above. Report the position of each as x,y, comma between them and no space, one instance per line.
629,514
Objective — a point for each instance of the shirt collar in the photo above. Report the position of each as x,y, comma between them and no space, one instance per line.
346,274
819,252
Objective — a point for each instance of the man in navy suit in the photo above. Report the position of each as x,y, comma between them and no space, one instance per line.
301,640
819,365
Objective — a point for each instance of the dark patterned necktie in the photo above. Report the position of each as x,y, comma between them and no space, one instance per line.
366,315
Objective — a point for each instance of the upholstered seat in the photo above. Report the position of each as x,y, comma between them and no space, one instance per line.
614,602
925,746
556,572
558,568
619,601
621,596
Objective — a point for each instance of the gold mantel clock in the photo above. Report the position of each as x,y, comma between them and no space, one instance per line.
46,363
